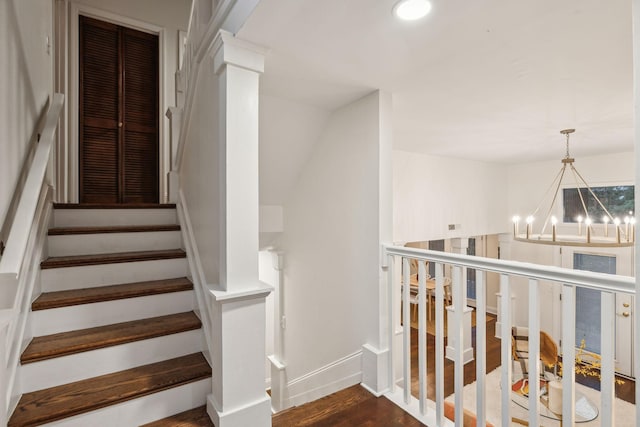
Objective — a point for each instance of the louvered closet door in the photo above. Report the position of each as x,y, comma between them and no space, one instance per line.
118,114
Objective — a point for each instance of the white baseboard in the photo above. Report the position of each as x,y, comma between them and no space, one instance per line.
333,377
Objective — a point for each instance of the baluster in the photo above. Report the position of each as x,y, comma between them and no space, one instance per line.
422,336
439,344
607,376
505,348
568,354
534,353
481,348
391,261
406,330
458,313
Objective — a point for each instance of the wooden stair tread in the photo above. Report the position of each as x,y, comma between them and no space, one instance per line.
63,231
114,206
97,259
65,343
196,417
55,403
71,297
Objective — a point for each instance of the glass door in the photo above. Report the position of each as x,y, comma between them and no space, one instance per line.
588,306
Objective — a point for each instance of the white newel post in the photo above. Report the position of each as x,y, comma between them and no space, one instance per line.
277,359
505,241
175,124
459,246
239,398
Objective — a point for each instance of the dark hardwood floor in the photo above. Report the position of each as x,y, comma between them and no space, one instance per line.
355,406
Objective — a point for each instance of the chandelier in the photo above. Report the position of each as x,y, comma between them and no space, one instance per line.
613,232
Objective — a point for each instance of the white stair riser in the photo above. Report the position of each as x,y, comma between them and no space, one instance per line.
110,217
88,244
60,279
76,367
64,319
144,409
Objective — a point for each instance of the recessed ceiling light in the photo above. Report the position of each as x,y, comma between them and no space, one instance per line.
410,10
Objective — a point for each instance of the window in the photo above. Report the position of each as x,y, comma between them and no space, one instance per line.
619,201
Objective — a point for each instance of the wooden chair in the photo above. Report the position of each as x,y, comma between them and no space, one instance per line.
520,350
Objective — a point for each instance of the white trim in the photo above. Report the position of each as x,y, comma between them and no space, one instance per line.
328,379
18,333
76,10
196,272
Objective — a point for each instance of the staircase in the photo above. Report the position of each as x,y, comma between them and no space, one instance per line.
116,340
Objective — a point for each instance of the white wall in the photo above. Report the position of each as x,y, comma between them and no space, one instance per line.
26,81
199,179
432,192
288,132
336,217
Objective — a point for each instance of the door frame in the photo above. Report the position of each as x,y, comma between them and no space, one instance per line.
69,149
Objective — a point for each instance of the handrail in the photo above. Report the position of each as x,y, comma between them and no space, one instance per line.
191,61
588,279
11,261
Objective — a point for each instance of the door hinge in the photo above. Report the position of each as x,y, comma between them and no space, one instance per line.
560,297
1,247
560,343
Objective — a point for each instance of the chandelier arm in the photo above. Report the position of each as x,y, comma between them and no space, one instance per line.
576,175
596,197
555,197
557,178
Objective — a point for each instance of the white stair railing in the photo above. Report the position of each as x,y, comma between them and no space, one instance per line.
21,258
433,414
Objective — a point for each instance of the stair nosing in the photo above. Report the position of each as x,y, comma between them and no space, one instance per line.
122,327
111,258
72,231
179,284
114,206
102,403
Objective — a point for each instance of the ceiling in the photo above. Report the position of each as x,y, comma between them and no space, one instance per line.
490,80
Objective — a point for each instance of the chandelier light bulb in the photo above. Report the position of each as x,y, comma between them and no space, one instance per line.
605,219
554,220
632,220
515,219
579,219
587,221
529,219
616,221
626,220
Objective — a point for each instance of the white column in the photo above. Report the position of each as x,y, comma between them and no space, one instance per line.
459,246
239,397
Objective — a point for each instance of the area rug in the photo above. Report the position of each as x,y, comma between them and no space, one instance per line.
624,411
